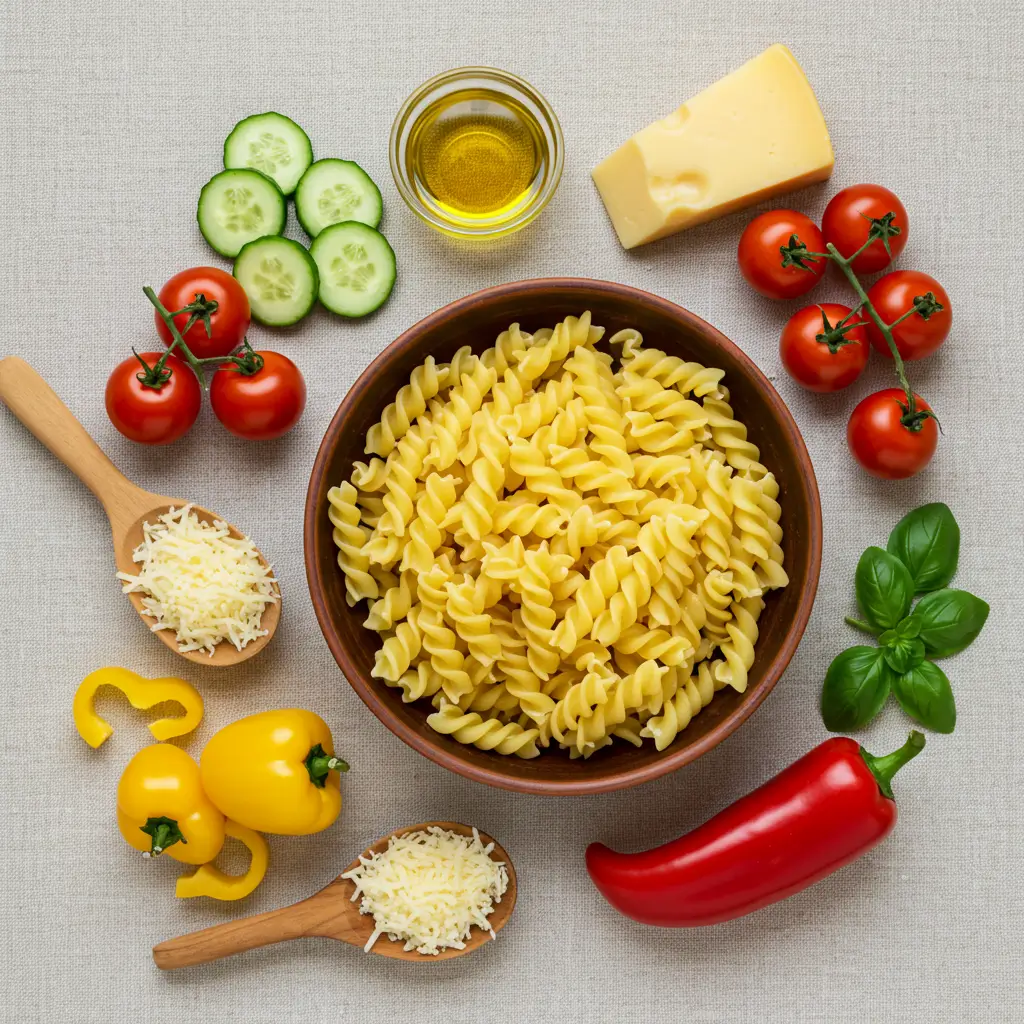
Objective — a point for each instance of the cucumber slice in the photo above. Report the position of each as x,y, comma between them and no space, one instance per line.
237,206
357,268
333,191
280,278
272,144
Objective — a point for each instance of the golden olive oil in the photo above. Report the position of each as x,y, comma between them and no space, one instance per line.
476,154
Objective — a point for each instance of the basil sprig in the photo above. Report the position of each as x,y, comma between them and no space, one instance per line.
921,558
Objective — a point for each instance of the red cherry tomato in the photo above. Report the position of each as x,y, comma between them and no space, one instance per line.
813,356
761,261
916,337
153,415
882,444
847,221
228,323
262,405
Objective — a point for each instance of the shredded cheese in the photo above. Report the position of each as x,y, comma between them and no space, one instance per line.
200,581
429,889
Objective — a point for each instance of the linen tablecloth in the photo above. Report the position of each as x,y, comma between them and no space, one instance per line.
113,117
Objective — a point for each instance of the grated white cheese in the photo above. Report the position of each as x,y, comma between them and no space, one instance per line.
429,888
200,581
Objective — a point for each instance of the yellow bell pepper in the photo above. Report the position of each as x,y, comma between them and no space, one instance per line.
142,694
275,772
161,807
210,881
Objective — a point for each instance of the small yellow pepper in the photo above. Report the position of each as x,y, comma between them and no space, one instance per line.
275,772
210,881
161,807
142,694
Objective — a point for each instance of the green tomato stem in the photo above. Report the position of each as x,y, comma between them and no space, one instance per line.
886,329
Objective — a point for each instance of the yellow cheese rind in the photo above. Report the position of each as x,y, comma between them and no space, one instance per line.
754,134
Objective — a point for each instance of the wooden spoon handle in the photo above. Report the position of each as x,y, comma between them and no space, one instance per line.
294,922
34,402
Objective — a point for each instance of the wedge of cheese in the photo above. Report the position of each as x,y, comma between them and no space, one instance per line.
753,134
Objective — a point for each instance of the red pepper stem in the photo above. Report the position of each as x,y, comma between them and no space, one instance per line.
320,764
885,767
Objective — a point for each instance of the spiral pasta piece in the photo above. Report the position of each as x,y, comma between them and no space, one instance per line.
464,608
635,589
538,410
731,436
425,533
484,733
410,402
738,651
398,652
678,712
602,583
351,540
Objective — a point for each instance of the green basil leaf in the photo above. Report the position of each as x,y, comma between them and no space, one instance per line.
909,628
884,588
902,655
927,542
925,694
950,620
856,686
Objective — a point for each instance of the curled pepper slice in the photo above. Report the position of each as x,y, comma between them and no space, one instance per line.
142,694
210,881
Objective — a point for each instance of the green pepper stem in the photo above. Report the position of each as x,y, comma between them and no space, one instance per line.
320,764
885,767
164,833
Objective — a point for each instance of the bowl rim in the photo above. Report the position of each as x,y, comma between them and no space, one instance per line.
495,777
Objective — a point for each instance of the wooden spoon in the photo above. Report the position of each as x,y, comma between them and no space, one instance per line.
32,400
330,914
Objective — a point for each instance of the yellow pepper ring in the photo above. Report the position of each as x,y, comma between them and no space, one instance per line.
210,881
142,694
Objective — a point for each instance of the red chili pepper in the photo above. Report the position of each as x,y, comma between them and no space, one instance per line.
818,814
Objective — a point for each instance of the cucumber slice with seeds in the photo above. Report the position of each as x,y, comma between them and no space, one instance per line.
272,144
237,206
357,268
333,191
280,278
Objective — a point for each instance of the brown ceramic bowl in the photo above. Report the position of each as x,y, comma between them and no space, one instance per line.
477,320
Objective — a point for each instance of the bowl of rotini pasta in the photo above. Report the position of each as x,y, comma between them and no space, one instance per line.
562,536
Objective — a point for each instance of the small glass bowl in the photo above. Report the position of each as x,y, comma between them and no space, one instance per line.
444,218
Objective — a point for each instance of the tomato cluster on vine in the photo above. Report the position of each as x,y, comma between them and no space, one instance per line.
905,315
202,316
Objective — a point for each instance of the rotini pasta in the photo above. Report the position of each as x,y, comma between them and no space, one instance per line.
560,544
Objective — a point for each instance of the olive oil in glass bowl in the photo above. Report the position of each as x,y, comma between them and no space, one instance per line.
476,153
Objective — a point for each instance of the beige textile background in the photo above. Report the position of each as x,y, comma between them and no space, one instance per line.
113,116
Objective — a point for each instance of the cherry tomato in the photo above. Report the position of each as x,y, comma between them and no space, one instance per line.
761,261
882,444
228,323
262,405
916,337
153,415
847,221
811,354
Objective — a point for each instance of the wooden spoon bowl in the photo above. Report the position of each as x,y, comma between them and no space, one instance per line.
127,506
329,914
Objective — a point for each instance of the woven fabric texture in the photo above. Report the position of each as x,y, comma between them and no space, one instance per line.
113,116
